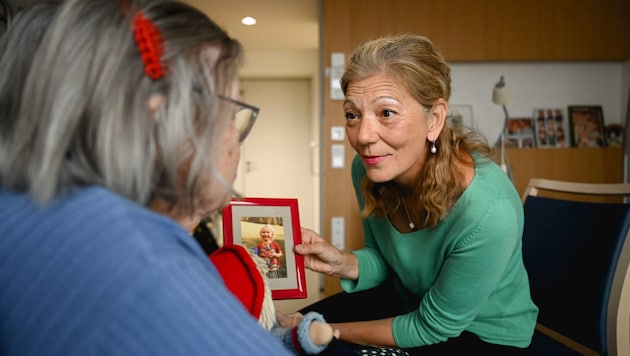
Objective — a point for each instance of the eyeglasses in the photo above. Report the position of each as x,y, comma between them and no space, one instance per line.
244,118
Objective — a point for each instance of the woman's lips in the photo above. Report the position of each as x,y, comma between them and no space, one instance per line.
372,160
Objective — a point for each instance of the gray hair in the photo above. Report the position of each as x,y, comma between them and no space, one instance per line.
17,49
85,120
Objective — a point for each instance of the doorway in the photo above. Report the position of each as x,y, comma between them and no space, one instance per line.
277,157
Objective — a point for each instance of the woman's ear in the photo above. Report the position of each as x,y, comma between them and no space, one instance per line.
155,101
437,119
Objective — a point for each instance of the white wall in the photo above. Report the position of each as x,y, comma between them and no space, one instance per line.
290,65
540,85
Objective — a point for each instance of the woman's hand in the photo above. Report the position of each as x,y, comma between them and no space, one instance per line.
321,256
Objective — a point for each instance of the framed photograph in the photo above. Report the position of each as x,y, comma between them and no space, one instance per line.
270,227
520,132
460,116
550,128
615,135
587,126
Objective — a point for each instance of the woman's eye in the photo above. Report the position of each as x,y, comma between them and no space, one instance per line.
388,113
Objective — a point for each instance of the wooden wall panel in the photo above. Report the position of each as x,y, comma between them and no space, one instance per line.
583,165
337,191
493,30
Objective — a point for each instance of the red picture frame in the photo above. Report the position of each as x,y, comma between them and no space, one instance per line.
243,223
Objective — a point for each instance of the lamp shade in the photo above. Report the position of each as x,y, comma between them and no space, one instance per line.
501,94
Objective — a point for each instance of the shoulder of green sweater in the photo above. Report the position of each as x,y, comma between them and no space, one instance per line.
491,179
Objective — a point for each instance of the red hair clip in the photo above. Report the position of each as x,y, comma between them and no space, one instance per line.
151,46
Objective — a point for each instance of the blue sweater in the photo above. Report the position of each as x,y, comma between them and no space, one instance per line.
95,274
465,274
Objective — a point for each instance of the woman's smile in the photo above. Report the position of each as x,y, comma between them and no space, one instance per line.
373,160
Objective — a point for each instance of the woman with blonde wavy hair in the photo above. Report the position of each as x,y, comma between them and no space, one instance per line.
441,270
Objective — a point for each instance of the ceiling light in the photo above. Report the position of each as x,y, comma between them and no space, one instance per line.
248,21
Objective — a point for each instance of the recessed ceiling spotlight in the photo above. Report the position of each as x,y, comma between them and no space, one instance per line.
248,21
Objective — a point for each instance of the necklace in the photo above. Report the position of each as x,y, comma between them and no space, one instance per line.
411,224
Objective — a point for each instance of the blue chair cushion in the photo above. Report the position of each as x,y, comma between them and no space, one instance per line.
570,250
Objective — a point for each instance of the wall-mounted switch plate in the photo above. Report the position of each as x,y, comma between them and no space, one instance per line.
338,238
338,154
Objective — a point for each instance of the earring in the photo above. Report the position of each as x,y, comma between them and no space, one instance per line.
433,148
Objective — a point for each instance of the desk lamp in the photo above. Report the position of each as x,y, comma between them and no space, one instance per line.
501,96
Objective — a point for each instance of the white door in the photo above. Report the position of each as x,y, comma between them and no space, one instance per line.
275,157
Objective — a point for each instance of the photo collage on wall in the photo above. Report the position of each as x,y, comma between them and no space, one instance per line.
580,126
545,129
520,133
550,128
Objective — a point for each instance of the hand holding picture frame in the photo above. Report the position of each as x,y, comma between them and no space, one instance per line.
270,227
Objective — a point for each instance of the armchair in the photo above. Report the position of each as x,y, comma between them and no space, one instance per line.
577,254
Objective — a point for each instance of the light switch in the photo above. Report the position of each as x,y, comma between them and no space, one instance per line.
337,63
337,59
335,83
337,133
338,154
338,234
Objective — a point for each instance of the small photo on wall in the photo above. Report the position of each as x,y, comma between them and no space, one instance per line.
520,132
587,126
615,135
550,128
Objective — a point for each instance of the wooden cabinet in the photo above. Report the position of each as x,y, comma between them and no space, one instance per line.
490,30
583,165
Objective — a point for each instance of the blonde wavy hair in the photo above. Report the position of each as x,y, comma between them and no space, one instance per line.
415,63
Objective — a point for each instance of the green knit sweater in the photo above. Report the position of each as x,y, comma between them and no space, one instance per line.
466,274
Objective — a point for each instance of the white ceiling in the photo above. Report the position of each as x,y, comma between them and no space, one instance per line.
282,24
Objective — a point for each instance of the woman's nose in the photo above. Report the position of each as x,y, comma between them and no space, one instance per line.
367,130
